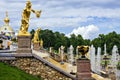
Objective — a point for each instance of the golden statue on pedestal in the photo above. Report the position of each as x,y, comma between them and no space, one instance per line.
25,18
36,37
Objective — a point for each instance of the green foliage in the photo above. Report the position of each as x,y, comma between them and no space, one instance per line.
14,39
73,40
48,38
32,33
110,39
1,41
118,66
105,63
61,39
56,39
12,73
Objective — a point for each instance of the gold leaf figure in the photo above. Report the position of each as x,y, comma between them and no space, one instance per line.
26,17
36,37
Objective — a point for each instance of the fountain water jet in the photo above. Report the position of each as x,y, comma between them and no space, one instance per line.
105,52
62,54
71,54
98,66
92,58
114,59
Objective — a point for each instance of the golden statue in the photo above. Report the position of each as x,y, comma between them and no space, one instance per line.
83,51
25,18
36,37
41,43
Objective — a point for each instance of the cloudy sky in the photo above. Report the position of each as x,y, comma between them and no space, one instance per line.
86,17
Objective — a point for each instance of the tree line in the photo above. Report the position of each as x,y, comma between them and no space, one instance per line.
56,39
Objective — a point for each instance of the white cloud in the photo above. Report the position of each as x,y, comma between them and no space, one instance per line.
63,13
87,32
86,12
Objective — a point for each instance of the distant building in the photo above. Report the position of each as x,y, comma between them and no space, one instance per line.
6,29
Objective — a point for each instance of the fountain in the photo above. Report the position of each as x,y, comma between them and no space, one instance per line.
76,52
71,54
114,59
71,58
92,58
50,50
62,54
105,58
59,50
105,49
98,66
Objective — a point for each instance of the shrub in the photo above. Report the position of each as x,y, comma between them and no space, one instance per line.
118,66
1,41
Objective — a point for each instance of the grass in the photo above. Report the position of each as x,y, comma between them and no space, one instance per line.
12,73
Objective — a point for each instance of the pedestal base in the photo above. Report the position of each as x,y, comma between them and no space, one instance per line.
84,70
24,46
36,46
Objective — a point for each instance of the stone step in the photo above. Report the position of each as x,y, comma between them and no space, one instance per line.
7,51
7,58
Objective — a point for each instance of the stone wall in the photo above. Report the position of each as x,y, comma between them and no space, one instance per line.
36,67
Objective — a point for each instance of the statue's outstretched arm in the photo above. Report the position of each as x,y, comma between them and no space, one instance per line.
33,11
38,13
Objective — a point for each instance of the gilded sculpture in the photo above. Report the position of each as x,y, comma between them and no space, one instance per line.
83,51
26,17
36,37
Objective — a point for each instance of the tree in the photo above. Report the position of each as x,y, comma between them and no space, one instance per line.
61,39
110,39
48,38
32,33
56,39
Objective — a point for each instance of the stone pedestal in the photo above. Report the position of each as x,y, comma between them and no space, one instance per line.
112,76
36,46
84,70
24,46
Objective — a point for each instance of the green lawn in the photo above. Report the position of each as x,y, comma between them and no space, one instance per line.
12,73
